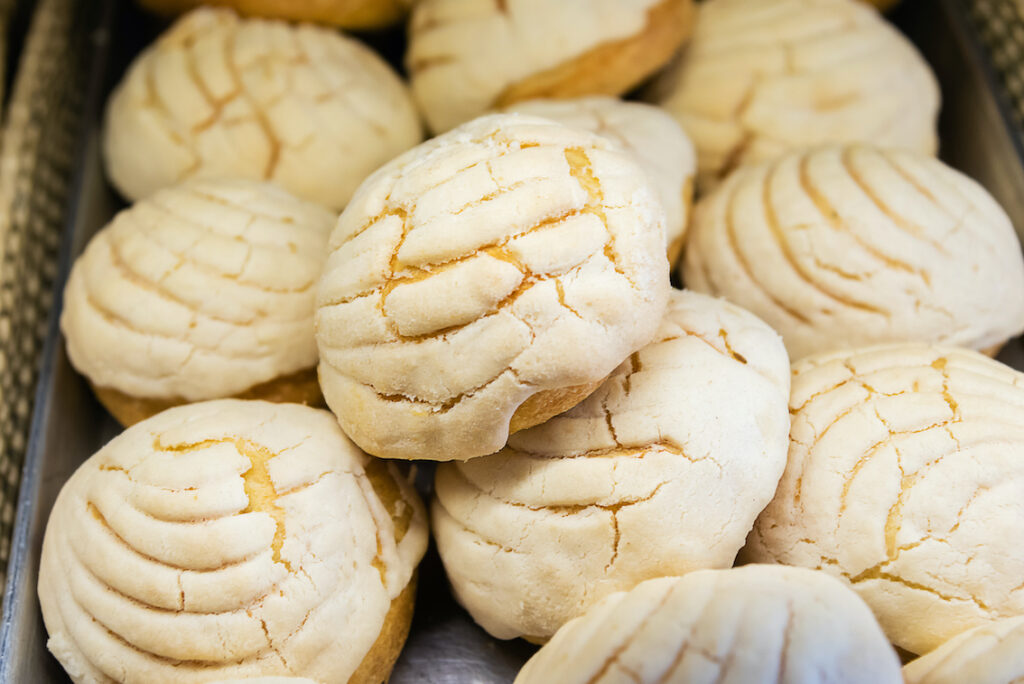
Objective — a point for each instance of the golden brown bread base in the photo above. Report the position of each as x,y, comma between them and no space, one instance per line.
615,67
380,659
297,388
346,13
549,403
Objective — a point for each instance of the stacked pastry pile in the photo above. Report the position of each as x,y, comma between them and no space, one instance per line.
498,298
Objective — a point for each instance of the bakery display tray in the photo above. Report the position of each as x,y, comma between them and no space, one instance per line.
444,645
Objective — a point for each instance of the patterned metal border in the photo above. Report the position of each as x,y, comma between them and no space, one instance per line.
1000,26
37,149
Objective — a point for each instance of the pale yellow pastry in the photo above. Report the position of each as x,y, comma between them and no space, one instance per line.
230,539
354,14
220,96
758,624
848,246
762,77
661,471
905,478
485,281
468,56
652,136
990,654
202,291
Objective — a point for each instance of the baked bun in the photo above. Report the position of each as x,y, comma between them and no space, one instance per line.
661,471
756,624
990,654
353,14
485,281
762,77
231,539
653,137
468,56
201,291
850,246
219,96
905,478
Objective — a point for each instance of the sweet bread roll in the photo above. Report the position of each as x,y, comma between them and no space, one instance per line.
762,77
652,136
219,96
231,539
468,56
661,471
905,478
201,291
757,624
485,281
850,246
990,654
354,14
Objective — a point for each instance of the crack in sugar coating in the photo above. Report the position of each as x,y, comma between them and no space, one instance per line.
902,479
200,291
989,654
852,245
758,80
225,539
660,471
463,267
465,54
658,143
758,624
222,96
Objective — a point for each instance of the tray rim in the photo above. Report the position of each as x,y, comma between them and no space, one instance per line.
98,53
98,56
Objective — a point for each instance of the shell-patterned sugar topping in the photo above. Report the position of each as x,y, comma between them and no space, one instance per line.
506,258
661,471
850,246
990,654
200,291
756,624
905,478
762,77
468,56
221,96
659,144
227,539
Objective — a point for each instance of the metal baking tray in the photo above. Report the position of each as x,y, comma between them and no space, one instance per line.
444,646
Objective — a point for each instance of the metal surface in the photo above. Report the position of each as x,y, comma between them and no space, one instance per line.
445,646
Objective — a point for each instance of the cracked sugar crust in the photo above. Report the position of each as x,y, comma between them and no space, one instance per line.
223,540
756,624
468,56
989,654
509,257
353,14
657,142
221,96
201,291
850,246
661,471
761,78
905,479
